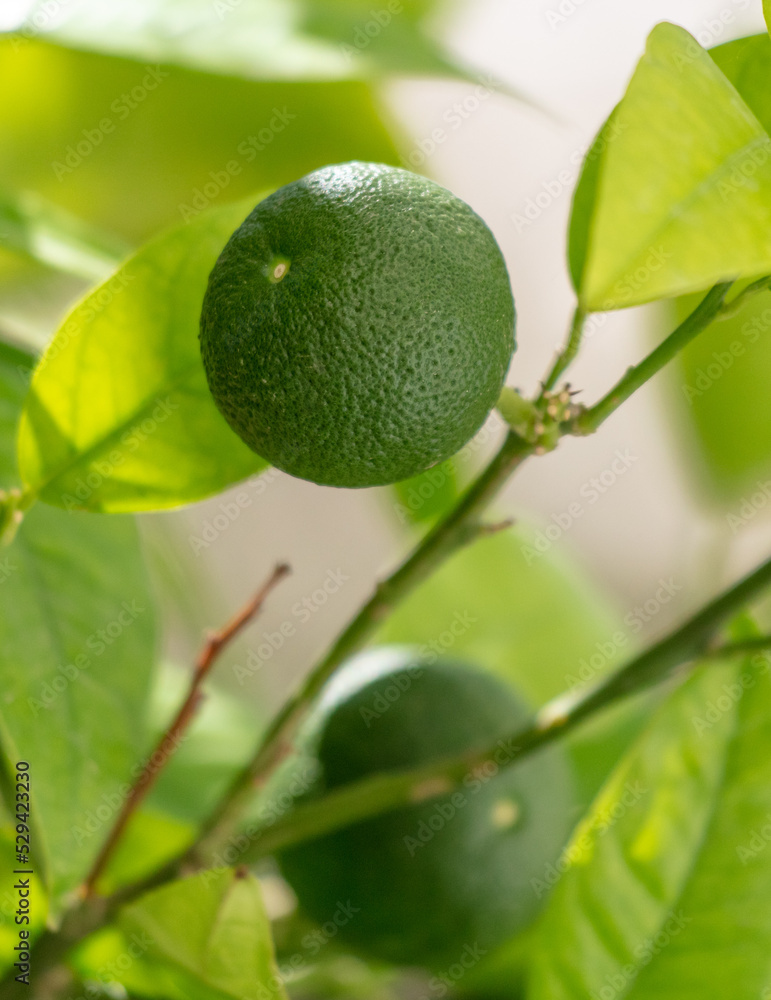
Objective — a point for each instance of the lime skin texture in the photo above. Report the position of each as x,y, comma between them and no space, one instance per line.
433,878
358,326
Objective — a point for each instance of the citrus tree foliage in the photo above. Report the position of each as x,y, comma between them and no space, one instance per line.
119,188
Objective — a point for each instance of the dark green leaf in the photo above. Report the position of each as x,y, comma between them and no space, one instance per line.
15,372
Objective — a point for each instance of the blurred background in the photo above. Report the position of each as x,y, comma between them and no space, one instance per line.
496,99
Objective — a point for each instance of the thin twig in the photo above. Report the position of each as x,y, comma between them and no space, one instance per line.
171,738
566,356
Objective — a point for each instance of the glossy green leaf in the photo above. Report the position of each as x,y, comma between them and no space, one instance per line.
38,229
212,926
15,371
720,389
686,159
493,604
76,652
668,878
119,416
263,39
133,148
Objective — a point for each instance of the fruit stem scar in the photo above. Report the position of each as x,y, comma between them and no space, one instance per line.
277,269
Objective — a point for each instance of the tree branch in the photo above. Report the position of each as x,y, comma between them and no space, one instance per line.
707,310
395,789
170,740
460,527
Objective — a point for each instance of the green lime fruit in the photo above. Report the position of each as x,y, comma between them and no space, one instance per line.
468,869
358,326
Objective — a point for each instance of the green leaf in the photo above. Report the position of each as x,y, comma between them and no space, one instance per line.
746,62
38,229
666,891
76,653
429,495
185,140
686,159
119,416
721,386
767,12
263,39
15,371
220,739
720,389
494,603
150,840
212,925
